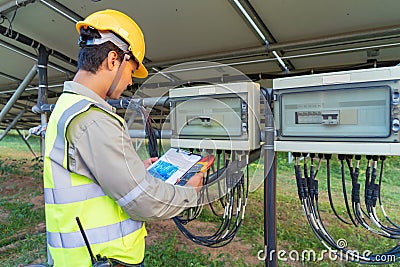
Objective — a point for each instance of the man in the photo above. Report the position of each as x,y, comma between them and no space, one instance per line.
90,171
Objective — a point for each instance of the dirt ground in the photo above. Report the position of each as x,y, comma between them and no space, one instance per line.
237,249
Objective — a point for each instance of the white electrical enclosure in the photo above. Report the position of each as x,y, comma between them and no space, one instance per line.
218,116
354,112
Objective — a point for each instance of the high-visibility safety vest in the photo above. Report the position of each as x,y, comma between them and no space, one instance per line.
109,229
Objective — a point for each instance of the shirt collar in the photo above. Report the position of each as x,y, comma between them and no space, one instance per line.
74,87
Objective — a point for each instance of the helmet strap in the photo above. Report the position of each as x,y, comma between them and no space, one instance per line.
117,77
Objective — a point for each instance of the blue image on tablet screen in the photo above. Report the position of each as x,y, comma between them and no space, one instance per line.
163,170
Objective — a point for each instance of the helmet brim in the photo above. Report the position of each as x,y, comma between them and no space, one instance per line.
141,72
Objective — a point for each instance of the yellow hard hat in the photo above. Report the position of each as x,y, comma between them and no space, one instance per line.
122,25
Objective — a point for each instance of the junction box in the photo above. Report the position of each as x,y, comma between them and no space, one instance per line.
354,112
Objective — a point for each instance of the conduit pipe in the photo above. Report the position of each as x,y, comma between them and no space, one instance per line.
12,124
43,59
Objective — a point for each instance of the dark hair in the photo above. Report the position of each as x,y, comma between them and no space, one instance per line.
91,57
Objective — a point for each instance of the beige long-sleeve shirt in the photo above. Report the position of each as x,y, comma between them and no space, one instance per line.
101,149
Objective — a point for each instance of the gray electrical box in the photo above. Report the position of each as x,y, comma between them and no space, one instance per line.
222,116
349,106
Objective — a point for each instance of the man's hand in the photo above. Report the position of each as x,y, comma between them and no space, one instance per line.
147,163
196,181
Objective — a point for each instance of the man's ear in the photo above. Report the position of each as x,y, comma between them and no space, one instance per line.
112,60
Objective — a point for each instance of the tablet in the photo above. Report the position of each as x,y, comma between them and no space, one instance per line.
174,164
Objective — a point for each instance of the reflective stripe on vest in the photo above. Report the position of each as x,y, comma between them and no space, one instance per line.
95,236
119,236
72,194
57,153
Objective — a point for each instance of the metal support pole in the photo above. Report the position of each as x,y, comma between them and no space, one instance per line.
12,124
122,103
145,102
26,143
155,101
43,59
29,77
62,10
161,134
269,190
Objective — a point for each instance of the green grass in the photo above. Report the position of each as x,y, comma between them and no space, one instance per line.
22,240
30,250
167,253
12,145
20,214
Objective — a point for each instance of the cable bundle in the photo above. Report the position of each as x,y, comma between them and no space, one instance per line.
150,133
137,109
308,195
227,184
233,186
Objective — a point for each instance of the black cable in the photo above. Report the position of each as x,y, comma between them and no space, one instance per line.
219,188
379,194
328,180
312,182
355,190
9,31
235,203
311,211
346,202
306,176
373,193
356,203
150,132
320,157
315,221
219,152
